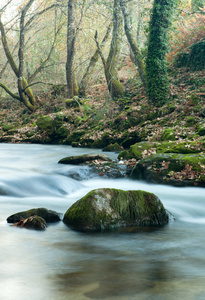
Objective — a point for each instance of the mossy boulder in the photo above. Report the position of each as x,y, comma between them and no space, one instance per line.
168,135
107,209
50,125
194,58
80,159
190,122
71,103
201,130
130,138
113,147
186,148
48,215
75,136
62,132
136,151
171,168
45,124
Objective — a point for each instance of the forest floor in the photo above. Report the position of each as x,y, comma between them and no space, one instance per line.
97,115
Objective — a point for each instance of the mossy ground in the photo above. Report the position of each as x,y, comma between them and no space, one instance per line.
97,121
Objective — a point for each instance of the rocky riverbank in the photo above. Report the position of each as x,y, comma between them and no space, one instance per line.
165,143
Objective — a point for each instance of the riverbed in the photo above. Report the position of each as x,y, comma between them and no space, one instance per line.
62,264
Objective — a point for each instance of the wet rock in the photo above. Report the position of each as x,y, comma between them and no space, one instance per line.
107,209
48,215
34,222
137,150
80,159
113,147
174,169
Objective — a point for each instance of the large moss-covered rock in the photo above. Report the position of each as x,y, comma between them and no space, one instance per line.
45,124
194,58
52,125
48,215
105,209
80,159
176,169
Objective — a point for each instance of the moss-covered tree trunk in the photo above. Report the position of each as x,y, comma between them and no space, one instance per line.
25,94
133,43
71,37
156,64
94,59
114,85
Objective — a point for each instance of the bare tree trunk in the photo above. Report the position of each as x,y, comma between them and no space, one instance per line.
71,37
133,43
85,80
114,85
26,97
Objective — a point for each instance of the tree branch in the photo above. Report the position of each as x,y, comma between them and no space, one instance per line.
9,92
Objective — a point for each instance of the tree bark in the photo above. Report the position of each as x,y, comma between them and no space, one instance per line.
26,97
114,85
71,37
133,43
85,80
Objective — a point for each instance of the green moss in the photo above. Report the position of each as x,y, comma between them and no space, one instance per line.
109,208
156,65
136,150
62,132
194,99
113,147
124,155
190,122
45,124
186,148
71,103
164,147
157,167
201,130
7,127
168,135
77,121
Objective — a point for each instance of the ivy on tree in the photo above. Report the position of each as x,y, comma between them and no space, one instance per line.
156,64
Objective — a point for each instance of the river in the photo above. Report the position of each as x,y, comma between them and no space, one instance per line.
61,264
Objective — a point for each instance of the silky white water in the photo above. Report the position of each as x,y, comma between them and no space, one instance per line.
59,263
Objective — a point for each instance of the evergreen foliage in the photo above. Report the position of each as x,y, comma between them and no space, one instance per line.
156,65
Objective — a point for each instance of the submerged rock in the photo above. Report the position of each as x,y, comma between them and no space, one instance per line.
80,159
34,222
105,209
48,215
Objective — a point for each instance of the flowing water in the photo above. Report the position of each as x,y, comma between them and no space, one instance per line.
60,264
